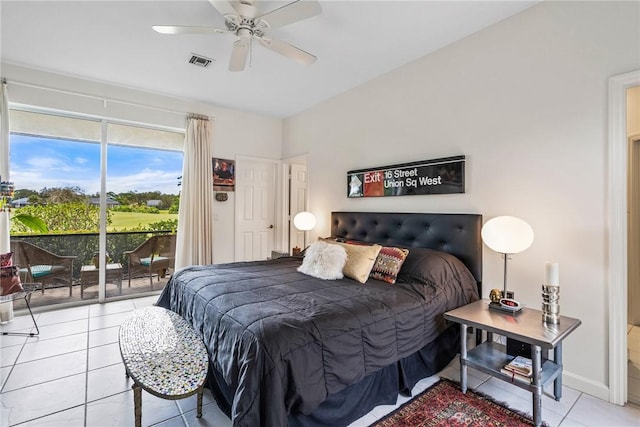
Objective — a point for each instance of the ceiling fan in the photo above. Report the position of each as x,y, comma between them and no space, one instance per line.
243,19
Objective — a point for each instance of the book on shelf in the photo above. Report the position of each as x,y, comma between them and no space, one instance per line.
520,365
516,376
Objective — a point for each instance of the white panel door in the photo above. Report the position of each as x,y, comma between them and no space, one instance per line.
255,209
297,203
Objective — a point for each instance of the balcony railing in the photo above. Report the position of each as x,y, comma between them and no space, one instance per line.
84,246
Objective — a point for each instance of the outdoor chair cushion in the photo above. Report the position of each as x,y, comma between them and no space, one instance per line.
147,261
38,271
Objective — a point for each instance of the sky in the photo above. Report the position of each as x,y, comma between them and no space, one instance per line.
36,163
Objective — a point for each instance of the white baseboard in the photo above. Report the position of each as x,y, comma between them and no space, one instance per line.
585,385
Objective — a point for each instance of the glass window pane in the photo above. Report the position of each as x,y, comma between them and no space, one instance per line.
143,189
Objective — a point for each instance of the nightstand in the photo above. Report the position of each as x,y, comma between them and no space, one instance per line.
526,326
278,254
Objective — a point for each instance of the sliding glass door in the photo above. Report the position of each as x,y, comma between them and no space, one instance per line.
102,190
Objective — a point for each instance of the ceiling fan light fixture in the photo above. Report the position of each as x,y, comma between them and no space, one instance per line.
242,18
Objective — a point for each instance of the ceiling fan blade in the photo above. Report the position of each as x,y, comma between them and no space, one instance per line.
292,12
290,51
183,29
239,55
224,7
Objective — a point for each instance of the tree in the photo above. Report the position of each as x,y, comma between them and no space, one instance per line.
63,195
24,192
62,217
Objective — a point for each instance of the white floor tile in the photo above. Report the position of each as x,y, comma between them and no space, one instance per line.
172,422
107,381
43,370
190,403
424,384
212,416
35,350
365,421
567,422
108,321
66,315
595,412
9,340
43,399
73,417
4,373
145,301
103,336
96,310
56,330
106,355
19,324
117,410
8,355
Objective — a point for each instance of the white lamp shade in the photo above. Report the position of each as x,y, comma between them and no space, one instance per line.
304,221
507,234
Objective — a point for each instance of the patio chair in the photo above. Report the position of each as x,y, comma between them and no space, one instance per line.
41,266
155,255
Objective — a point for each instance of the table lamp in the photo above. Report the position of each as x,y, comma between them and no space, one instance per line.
303,221
507,235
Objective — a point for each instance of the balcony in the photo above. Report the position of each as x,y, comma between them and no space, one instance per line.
84,287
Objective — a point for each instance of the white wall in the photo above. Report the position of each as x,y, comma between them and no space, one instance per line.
234,132
526,101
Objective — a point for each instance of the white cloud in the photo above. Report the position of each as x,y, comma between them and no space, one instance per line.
81,160
146,180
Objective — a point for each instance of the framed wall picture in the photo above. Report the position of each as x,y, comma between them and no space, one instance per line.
224,174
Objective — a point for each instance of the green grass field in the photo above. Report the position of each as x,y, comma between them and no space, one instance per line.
129,220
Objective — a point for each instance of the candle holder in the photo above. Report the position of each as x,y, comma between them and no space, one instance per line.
551,304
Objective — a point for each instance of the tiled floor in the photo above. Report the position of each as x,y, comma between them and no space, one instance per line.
72,375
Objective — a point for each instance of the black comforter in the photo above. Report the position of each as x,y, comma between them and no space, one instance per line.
284,341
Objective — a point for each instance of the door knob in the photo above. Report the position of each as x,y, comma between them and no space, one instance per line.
271,226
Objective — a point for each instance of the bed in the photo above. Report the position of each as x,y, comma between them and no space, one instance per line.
286,348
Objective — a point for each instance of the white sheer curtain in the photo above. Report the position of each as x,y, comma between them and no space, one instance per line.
4,162
194,244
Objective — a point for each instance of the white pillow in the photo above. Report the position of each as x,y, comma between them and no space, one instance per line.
324,261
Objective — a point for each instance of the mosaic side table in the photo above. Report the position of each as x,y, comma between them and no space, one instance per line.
163,355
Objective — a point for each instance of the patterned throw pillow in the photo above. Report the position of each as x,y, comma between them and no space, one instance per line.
388,264
9,276
5,259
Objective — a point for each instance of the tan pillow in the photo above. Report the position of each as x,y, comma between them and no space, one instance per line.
360,260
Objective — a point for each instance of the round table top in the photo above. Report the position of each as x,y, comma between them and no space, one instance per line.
162,353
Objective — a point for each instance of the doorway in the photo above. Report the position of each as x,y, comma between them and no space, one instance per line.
255,208
633,307
298,202
618,251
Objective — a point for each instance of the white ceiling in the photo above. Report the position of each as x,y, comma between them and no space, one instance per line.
355,41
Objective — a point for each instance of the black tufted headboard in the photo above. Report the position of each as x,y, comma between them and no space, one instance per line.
457,234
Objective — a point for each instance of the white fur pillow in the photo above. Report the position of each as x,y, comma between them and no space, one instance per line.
324,261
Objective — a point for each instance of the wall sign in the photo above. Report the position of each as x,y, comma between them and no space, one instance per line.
437,176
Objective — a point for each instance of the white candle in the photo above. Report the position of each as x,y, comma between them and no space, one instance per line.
552,273
6,312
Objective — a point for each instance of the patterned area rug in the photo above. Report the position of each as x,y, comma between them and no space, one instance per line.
444,405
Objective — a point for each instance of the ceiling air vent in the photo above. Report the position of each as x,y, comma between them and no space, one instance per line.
199,60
